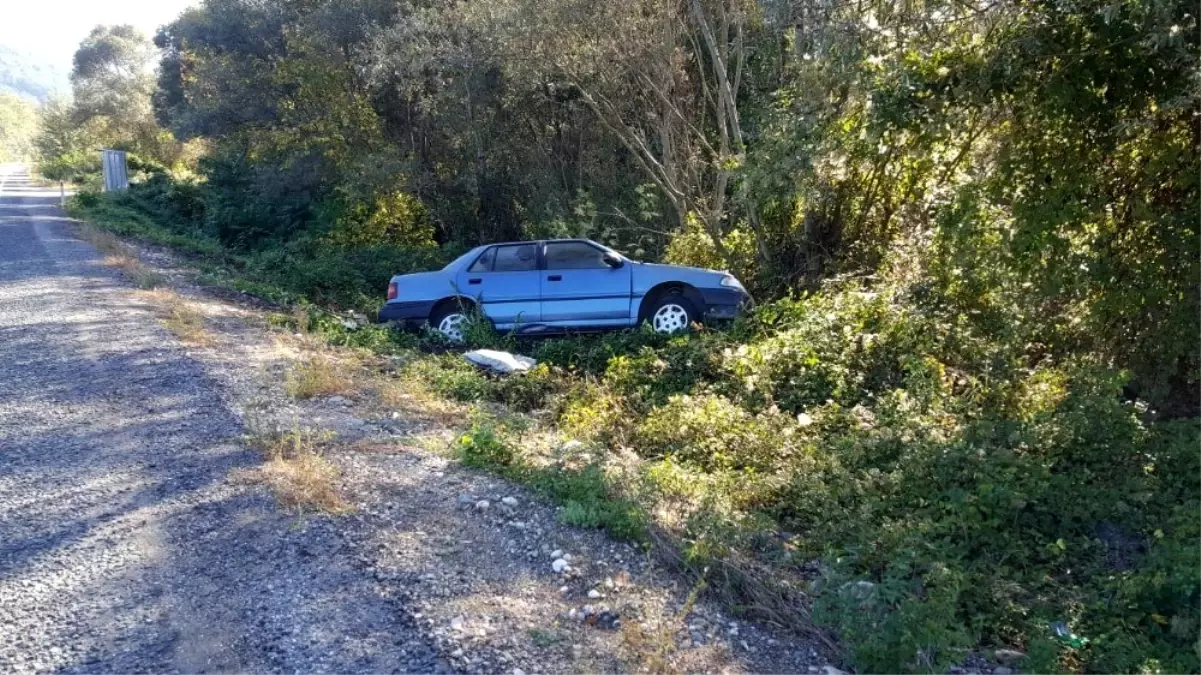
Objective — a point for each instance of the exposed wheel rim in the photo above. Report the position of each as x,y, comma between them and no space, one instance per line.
451,326
670,318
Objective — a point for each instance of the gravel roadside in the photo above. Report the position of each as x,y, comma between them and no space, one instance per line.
124,546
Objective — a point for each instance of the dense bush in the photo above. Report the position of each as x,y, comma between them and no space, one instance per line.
960,489
174,212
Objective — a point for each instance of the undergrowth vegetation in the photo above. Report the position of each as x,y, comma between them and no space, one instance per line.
921,476
310,268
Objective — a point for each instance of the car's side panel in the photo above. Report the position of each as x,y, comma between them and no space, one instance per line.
584,296
406,311
590,324
506,297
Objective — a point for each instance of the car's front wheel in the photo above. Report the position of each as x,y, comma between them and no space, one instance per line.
671,314
449,321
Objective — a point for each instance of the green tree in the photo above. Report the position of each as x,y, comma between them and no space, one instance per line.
64,152
113,82
18,125
112,77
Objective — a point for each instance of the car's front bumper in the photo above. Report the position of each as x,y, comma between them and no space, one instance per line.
406,313
724,303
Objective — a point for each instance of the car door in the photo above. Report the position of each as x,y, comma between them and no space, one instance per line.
504,280
579,288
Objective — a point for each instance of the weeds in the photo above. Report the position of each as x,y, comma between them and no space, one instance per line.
544,638
179,317
133,270
105,242
295,467
652,647
481,447
187,324
588,497
414,398
318,376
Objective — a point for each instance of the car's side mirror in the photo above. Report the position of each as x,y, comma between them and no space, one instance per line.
613,261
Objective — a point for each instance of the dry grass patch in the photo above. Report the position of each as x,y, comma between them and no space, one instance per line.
370,447
295,469
179,317
652,646
105,242
141,276
414,399
187,324
302,319
318,376
122,257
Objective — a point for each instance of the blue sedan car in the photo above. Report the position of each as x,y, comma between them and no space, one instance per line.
539,286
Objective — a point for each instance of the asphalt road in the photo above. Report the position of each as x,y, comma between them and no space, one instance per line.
124,546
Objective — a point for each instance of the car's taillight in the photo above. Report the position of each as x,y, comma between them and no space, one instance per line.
392,291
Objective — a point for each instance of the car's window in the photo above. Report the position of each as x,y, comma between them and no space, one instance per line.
484,262
574,255
520,258
462,260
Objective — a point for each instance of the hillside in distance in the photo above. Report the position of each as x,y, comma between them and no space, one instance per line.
26,76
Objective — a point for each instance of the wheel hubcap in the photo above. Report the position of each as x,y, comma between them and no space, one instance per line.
670,318
451,326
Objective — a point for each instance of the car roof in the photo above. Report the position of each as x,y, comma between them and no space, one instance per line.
540,241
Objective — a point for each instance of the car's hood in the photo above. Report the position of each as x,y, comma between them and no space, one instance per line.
661,266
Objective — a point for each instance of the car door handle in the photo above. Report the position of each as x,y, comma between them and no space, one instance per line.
555,277
474,281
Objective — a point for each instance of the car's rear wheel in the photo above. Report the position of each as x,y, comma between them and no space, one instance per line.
672,313
449,321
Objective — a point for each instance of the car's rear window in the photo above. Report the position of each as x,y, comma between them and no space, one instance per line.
484,262
521,258
514,258
460,260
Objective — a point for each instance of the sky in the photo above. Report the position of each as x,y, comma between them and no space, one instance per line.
51,29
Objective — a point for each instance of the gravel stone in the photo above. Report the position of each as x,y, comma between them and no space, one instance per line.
124,545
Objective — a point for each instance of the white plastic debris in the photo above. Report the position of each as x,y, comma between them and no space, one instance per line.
500,362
